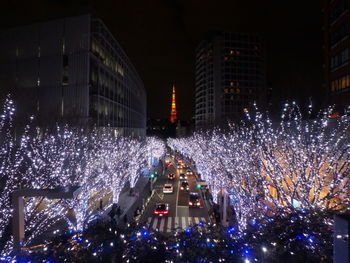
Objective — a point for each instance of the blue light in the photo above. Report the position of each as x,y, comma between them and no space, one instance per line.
299,237
270,219
188,230
310,239
145,233
246,252
231,251
200,223
261,227
231,230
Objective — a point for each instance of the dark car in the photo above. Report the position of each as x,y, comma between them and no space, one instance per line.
183,176
161,209
171,176
185,185
194,200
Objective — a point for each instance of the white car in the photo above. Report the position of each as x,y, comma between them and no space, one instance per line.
168,189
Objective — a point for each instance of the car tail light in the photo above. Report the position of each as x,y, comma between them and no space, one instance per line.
165,212
156,212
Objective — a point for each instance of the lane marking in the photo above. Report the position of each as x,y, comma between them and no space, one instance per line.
196,220
162,221
161,196
177,197
149,221
176,222
155,223
203,219
169,224
183,225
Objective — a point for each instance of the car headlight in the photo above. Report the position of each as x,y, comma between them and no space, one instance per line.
190,203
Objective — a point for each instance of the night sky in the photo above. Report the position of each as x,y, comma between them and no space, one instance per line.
160,36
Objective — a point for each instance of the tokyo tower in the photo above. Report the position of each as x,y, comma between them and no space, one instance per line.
173,116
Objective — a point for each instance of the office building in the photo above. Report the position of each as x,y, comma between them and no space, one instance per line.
336,67
72,70
229,76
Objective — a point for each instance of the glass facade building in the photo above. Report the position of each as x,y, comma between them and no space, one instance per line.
72,70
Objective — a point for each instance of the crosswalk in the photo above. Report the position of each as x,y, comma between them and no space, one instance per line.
169,224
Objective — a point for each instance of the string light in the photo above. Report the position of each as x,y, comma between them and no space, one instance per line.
100,163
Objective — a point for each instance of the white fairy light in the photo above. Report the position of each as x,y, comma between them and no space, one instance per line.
98,162
295,164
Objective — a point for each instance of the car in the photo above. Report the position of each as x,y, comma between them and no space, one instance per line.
161,209
185,185
168,189
183,176
194,200
189,172
179,166
171,176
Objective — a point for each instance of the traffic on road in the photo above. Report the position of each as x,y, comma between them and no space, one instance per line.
177,202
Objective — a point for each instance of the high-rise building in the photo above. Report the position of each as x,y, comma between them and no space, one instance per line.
229,76
173,113
72,70
336,67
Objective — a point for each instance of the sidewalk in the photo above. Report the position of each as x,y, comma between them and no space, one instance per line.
129,203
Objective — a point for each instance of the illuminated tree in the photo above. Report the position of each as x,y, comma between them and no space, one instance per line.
100,163
297,163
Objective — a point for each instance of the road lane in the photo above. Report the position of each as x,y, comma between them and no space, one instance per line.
180,215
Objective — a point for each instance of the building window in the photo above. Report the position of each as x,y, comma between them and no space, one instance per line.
341,83
340,59
339,35
338,10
